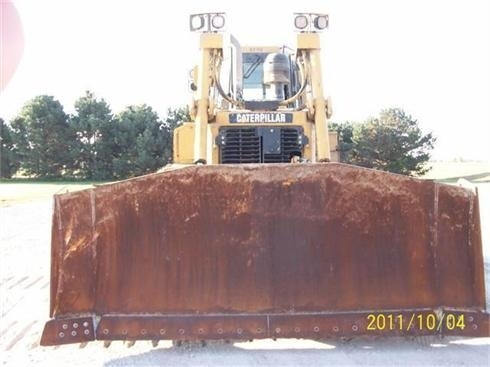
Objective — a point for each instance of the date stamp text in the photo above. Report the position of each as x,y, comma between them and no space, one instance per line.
417,321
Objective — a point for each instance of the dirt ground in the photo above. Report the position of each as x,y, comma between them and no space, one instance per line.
25,220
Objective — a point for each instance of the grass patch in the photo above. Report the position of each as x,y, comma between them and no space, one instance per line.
14,192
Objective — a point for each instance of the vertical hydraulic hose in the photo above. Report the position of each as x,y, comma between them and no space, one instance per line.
201,121
321,124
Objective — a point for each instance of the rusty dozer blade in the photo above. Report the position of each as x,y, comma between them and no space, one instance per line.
266,251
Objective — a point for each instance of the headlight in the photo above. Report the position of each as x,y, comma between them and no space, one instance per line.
321,22
218,21
301,22
197,22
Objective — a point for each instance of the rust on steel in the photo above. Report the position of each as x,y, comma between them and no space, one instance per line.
249,246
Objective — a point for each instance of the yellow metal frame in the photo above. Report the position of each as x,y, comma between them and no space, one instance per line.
195,140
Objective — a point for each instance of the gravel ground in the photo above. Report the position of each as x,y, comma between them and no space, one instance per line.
24,292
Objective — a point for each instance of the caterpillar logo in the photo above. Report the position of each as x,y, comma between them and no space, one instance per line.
264,117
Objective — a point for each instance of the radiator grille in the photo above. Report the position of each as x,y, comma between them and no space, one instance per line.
240,146
264,144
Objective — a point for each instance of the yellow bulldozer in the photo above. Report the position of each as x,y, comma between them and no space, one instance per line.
262,234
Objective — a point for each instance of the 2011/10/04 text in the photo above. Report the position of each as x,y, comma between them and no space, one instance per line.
418,321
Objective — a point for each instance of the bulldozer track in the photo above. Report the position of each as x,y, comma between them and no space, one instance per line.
34,282
20,281
20,326
3,332
24,276
20,335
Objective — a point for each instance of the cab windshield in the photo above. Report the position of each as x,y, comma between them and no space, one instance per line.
253,75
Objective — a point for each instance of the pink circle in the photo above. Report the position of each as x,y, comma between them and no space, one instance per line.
12,39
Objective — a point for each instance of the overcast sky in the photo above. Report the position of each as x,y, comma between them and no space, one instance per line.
429,57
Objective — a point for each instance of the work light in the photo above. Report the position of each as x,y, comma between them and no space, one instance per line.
218,21
196,22
321,22
301,22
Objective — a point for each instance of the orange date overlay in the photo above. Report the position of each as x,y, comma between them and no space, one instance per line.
417,321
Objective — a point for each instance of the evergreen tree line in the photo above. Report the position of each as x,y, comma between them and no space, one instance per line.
94,144
43,141
392,141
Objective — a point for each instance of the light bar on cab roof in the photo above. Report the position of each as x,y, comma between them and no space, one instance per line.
207,22
310,22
